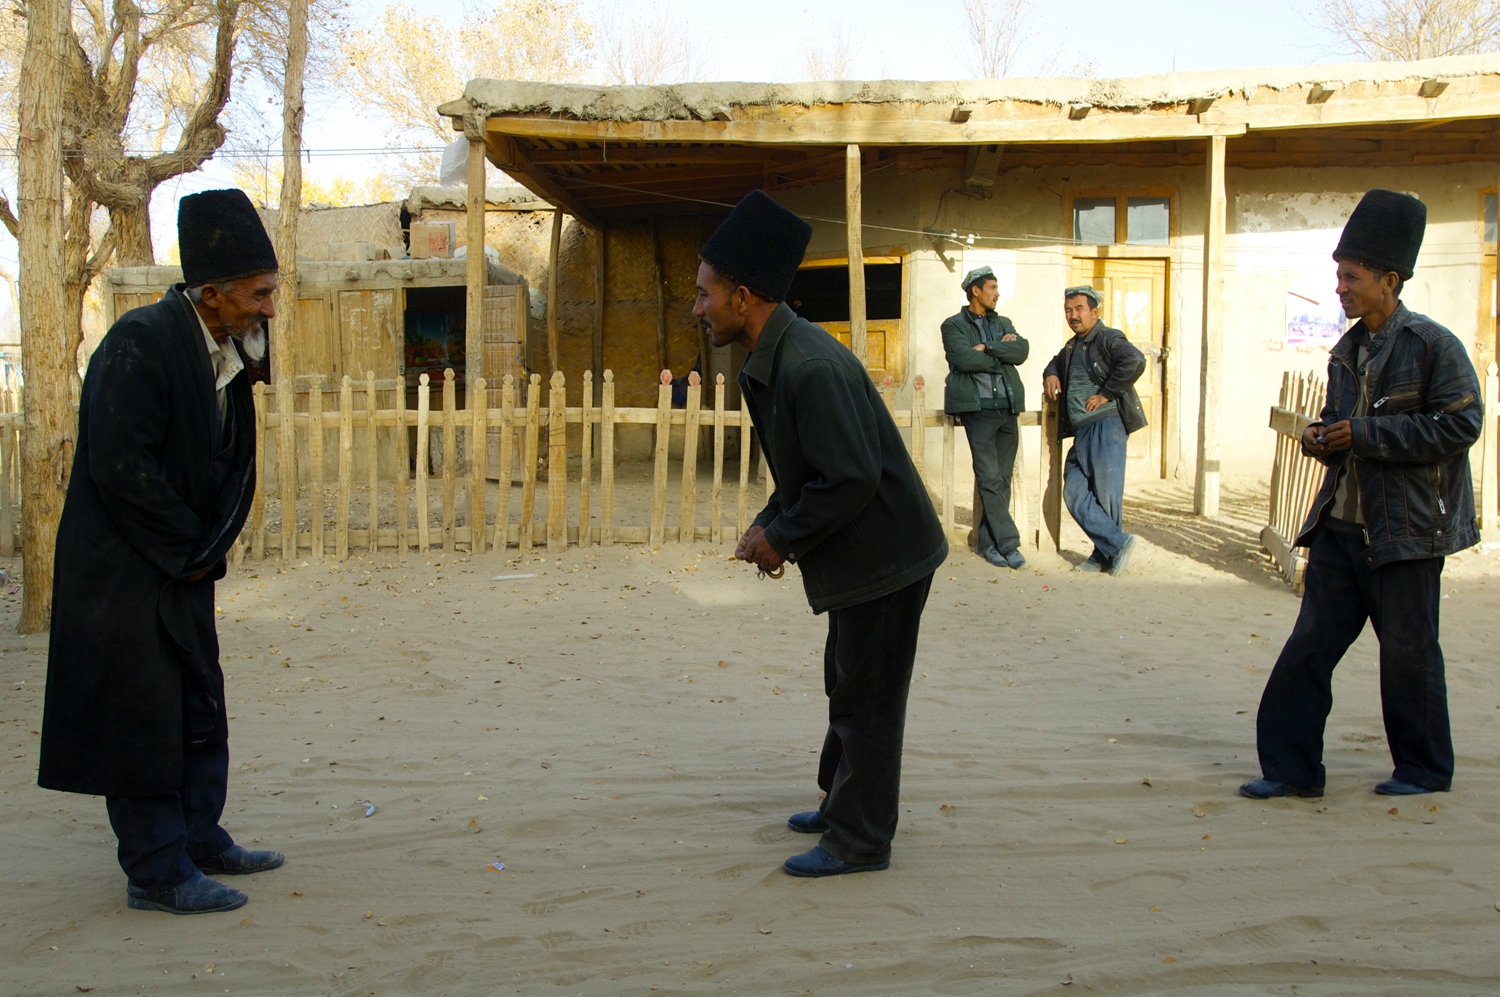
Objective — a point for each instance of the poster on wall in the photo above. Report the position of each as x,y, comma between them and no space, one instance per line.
1314,317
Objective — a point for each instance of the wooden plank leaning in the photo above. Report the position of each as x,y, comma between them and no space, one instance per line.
372,458
747,433
1051,477
528,463
607,463
659,472
586,462
716,514
691,421
258,505
479,455
403,468
450,454
316,514
286,464
557,464
507,448
346,465
919,426
424,407
948,497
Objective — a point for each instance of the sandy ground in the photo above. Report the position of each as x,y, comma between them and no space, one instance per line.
627,732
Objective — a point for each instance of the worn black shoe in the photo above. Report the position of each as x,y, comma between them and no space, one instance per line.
1121,559
237,861
1395,787
199,895
1089,565
1265,789
815,863
808,822
993,555
1015,560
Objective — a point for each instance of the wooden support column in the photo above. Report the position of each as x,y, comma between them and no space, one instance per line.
598,357
552,253
475,271
1211,366
854,226
660,277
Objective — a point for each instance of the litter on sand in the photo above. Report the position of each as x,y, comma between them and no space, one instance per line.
497,866
511,578
369,807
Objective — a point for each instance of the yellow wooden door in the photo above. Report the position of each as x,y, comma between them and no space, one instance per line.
124,302
504,339
1135,295
368,334
314,339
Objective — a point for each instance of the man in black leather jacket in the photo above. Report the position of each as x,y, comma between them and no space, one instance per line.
1403,409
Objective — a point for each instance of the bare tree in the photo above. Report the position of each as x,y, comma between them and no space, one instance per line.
1403,30
996,32
832,53
643,46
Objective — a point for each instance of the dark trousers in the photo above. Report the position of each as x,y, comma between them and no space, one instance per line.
161,836
1401,602
1094,484
867,665
993,439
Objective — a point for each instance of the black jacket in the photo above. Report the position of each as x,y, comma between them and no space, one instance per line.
1412,451
1114,365
159,492
960,336
849,508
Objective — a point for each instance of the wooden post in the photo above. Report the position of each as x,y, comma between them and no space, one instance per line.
552,254
716,515
1020,508
316,514
1051,476
424,406
403,466
286,462
659,475
1489,486
258,504
507,445
948,445
372,459
692,417
747,430
607,463
1211,367
586,462
660,279
888,393
854,230
479,455
528,461
919,425
346,463
557,465
450,454
474,271
598,354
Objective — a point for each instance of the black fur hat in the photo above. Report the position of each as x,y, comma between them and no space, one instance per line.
220,238
1385,231
760,245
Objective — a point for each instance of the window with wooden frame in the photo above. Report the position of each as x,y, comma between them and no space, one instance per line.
1146,217
820,294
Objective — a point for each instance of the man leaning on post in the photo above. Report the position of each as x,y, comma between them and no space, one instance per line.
985,392
162,481
848,509
1403,408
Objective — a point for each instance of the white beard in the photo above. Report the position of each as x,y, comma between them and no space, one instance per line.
254,343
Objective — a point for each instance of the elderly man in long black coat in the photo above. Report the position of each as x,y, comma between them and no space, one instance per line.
849,510
162,481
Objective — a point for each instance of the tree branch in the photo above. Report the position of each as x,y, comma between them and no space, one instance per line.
12,223
203,134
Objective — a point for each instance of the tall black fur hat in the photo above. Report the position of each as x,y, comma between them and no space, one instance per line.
1386,231
760,245
220,238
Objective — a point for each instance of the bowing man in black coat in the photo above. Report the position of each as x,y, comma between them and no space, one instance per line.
163,478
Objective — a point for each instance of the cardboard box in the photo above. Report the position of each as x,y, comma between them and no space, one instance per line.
353,252
432,240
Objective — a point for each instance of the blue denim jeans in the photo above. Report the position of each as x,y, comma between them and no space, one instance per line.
1094,485
161,837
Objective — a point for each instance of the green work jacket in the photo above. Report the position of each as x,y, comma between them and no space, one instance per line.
961,333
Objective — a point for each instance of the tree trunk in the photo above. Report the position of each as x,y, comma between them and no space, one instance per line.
289,207
133,235
50,427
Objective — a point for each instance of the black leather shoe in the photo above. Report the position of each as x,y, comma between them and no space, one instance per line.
993,555
815,863
1122,556
808,822
1265,789
237,861
1395,787
199,895
1015,560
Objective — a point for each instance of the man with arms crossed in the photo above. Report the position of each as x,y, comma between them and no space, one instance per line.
848,508
1403,408
985,393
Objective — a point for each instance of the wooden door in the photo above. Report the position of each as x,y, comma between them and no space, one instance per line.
314,342
124,301
1135,296
505,309
368,334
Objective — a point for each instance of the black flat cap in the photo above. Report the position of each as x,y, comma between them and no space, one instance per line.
220,238
1385,231
760,245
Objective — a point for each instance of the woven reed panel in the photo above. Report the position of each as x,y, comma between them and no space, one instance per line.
318,228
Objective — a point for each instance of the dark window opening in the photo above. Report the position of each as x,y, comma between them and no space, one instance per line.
436,331
821,294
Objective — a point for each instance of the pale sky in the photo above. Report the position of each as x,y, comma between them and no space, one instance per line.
895,39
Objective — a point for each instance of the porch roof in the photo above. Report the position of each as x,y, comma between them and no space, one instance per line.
615,152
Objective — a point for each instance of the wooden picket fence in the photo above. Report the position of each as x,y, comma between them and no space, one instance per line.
10,464
529,428
1296,478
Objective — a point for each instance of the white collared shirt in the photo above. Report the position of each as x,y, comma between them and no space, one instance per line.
227,364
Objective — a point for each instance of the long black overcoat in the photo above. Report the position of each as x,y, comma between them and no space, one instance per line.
160,488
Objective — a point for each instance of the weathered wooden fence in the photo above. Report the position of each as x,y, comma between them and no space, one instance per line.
10,466
1295,478
530,429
